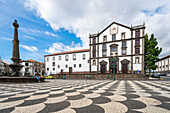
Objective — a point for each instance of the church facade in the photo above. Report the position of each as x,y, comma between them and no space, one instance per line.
127,42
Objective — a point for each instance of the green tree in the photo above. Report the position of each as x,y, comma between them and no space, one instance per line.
152,52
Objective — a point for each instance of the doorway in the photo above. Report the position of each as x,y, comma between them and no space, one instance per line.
125,64
103,65
124,68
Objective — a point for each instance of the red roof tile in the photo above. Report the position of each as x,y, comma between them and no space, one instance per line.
31,60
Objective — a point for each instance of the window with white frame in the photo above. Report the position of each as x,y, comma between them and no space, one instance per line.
124,47
113,37
66,57
59,58
137,60
123,35
53,58
74,56
94,62
105,39
84,56
104,50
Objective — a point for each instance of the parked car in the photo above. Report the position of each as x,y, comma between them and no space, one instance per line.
158,75
162,74
49,77
155,75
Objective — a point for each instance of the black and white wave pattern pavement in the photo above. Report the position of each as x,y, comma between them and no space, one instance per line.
86,96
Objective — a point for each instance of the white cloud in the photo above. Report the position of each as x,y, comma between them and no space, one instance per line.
59,47
51,34
90,16
29,37
35,32
5,38
29,48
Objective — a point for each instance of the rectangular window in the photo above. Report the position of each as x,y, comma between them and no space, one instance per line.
66,66
104,47
137,50
137,42
53,69
104,53
137,60
94,40
79,65
94,54
105,39
137,33
47,59
74,56
124,48
113,49
94,62
94,48
66,57
104,50
84,56
123,51
58,66
26,64
53,58
53,63
59,58
88,61
94,51
124,44
113,37
47,69
74,65
123,35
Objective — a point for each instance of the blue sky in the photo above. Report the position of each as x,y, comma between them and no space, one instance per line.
49,26
33,32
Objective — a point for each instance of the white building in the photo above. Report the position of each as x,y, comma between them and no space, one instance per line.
163,65
31,67
4,68
75,61
127,42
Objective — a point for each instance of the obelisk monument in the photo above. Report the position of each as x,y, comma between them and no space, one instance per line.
15,53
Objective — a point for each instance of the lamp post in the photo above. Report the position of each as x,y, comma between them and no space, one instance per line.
113,63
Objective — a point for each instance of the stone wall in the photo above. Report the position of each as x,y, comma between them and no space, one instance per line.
99,76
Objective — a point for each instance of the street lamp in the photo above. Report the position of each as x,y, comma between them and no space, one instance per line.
113,63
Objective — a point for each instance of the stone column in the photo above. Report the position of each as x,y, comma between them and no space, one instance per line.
15,53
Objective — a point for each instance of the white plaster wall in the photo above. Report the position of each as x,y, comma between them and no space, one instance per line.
30,70
156,63
140,46
118,35
169,63
128,45
69,63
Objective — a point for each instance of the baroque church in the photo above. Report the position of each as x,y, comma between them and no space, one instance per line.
125,42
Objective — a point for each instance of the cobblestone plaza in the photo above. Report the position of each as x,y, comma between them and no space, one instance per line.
86,96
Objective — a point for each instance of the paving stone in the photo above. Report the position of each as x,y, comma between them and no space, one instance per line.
86,96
